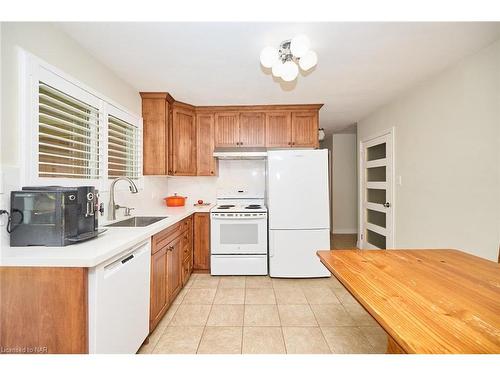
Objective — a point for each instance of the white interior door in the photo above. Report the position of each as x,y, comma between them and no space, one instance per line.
376,193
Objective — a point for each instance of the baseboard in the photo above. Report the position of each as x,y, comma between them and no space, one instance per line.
345,231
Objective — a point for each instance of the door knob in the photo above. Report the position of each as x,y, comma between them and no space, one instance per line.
387,204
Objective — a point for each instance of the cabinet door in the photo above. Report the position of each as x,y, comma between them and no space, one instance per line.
201,253
186,270
184,142
305,129
206,163
252,129
278,129
227,129
155,120
174,266
159,287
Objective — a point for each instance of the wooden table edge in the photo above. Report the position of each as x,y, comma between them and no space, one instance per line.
393,345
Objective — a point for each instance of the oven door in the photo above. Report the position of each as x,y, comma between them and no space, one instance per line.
241,235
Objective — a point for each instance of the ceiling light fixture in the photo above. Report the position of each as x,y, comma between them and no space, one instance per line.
285,62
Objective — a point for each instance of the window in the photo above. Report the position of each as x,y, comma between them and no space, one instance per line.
73,136
68,136
123,149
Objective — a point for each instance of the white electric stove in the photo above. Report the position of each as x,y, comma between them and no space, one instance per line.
238,235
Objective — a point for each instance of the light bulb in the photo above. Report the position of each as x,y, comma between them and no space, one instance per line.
277,69
309,60
268,56
290,71
299,45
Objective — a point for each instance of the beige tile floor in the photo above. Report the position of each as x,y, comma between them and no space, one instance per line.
260,315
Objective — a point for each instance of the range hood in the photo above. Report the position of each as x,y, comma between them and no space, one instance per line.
240,154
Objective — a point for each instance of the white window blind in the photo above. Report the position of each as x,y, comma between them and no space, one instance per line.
123,149
68,137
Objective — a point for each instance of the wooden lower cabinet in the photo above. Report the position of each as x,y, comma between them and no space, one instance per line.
201,243
174,266
171,267
159,287
43,310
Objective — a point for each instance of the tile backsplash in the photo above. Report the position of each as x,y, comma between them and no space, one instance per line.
233,174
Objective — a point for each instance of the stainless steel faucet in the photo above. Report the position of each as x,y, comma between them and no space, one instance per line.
112,205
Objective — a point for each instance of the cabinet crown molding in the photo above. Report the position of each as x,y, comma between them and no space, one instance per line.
260,107
157,95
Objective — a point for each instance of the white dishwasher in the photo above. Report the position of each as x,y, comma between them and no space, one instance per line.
119,302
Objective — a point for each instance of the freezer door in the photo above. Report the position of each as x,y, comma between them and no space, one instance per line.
298,195
292,253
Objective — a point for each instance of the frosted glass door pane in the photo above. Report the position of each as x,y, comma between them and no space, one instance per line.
375,239
376,196
376,152
239,234
376,174
376,217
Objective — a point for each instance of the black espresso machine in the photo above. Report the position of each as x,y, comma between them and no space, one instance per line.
53,215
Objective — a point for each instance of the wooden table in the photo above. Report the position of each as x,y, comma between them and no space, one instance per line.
428,301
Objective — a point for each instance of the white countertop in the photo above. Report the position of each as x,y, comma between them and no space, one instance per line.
93,252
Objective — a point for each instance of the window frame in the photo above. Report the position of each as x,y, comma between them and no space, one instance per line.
32,71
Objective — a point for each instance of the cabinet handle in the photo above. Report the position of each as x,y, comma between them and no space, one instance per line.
170,248
241,143
289,143
293,143
211,172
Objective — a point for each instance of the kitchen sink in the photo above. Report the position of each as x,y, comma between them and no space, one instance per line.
137,221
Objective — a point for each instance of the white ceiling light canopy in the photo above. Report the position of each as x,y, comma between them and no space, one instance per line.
292,53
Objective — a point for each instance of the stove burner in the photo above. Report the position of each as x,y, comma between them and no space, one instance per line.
225,206
253,207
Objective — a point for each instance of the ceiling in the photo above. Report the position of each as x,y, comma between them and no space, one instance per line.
361,65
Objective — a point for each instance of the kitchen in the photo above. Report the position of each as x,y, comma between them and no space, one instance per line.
202,225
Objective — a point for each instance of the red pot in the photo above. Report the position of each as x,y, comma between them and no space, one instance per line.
175,201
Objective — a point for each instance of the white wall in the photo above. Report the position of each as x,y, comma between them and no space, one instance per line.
447,152
344,184
327,143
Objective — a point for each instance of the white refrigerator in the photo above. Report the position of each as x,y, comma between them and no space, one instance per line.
299,212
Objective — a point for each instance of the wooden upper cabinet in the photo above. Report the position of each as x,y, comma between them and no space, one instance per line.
305,129
183,141
155,110
227,129
278,129
205,127
252,129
